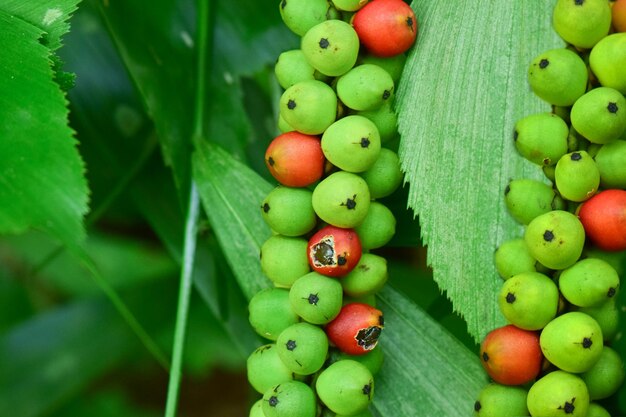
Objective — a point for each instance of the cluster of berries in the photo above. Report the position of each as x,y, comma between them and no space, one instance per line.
332,166
561,278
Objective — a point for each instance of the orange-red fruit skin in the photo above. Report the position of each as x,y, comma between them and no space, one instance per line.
295,159
511,356
386,27
356,329
619,15
604,219
334,251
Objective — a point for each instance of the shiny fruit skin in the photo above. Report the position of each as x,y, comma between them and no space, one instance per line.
386,27
511,356
356,329
604,219
295,159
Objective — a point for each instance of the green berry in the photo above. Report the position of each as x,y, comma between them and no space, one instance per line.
589,282
266,369
558,76
309,106
555,239
572,342
349,5
377,228
582,22
600,115
527,198
292,67
365,87
271,313
541,138
345,387
608,60
303,348
512,257
596,410
352,143
607,316
316,298
373,360
284,260
331,47
576,176
385,119
289,399
289,211
257,409
610,162
496,400
301,15
606,376
385,176
529,300
558,394
394,65
367,278
342,199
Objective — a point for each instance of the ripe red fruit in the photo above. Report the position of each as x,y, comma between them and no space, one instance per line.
356,329
386,27
295,159
604,219
619,15
334,251
511,356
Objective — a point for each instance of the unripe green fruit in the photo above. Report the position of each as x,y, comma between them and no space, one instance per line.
596,410
385,119
257,409
600,115
283,126
342,199
367,278
290,399
301,15
292,67
289,211
303,348
572,342
385,176
529,300
541,138
589,282
555,239
365,87
349,5
610,162
558,394
582,23
607,316
606,376
352,143
316,298
558,76
394,65
496,400
284,260
512,257
527,198
377,228
271,313
265,369
373,360
331,47
345,387
576,176
608,60
309,106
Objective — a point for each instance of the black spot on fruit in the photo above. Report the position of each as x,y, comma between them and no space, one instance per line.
273,401
409,22
544,63
510,298
548,236
271,161
507,190
283,4
612,108
266,208
485,357
368,337
341,260
367,389
386,94
324,43
291,344
350,203
576,156
515,135
291,104
313,299
365,143
477,406
587,343
324,253
611,292
579,2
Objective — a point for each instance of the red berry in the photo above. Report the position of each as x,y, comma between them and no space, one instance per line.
356,329
604,218
386,27
511,356
334,251
295,159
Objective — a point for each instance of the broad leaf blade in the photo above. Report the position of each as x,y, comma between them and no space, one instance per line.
462,90
41,173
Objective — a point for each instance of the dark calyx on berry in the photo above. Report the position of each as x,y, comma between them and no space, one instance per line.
368,338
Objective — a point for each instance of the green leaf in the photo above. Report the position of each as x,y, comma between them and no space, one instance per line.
426,370
462,90
231,194
41,173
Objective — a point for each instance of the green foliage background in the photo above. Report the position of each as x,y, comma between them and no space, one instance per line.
129,218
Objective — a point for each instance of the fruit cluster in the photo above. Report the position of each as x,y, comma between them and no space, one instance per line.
332,166
560,279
